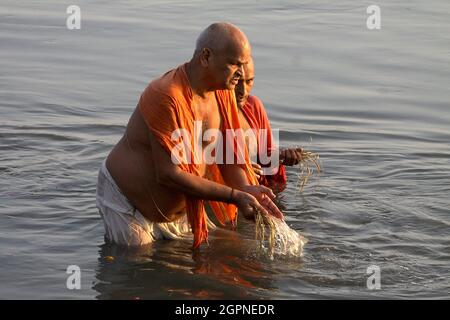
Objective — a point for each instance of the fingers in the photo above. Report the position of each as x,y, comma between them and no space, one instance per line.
290,157
265,205
257,169
253,209
259,207
267,191
256,166
273,209
293,157
277,213
286,157
249,206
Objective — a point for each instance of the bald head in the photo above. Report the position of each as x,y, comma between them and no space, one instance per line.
220,54
222,37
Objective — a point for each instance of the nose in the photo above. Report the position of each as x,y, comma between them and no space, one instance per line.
240,71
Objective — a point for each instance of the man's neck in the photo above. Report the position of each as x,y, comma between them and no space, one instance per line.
197,81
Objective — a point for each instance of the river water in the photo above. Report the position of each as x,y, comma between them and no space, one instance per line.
374,104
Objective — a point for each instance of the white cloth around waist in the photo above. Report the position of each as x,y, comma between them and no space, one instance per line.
125,225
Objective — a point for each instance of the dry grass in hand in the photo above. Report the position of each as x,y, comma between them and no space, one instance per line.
307,164
261,220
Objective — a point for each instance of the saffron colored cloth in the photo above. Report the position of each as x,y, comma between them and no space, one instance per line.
166,106
257,118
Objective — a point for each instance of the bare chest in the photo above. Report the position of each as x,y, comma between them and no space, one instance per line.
207,112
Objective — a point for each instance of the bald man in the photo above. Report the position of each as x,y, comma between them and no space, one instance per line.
144,191
252,115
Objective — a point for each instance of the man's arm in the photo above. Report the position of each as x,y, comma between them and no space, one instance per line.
170,175
234,175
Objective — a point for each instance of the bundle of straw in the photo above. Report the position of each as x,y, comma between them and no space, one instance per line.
308,162
261,220
281,239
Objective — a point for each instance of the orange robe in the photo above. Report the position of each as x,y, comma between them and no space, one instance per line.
166,105
257,118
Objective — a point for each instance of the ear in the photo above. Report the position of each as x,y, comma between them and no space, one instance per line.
205,57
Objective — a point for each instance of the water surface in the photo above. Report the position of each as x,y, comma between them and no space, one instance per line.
373,104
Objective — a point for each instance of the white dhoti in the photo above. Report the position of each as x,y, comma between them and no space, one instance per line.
125,225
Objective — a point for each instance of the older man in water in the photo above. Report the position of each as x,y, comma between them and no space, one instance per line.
145,191
252,115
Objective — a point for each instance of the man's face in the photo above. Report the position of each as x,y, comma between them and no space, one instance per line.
245,84
227,67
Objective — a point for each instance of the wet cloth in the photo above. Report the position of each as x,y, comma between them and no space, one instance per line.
125,225
257,118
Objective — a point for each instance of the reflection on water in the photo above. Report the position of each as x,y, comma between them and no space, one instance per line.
227,268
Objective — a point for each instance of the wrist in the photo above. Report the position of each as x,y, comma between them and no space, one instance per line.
235,196
231,197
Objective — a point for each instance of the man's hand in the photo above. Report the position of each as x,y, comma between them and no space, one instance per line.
291,157
259,197
247,204
258,170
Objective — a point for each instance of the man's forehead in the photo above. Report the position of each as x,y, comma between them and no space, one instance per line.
249,69
248,73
